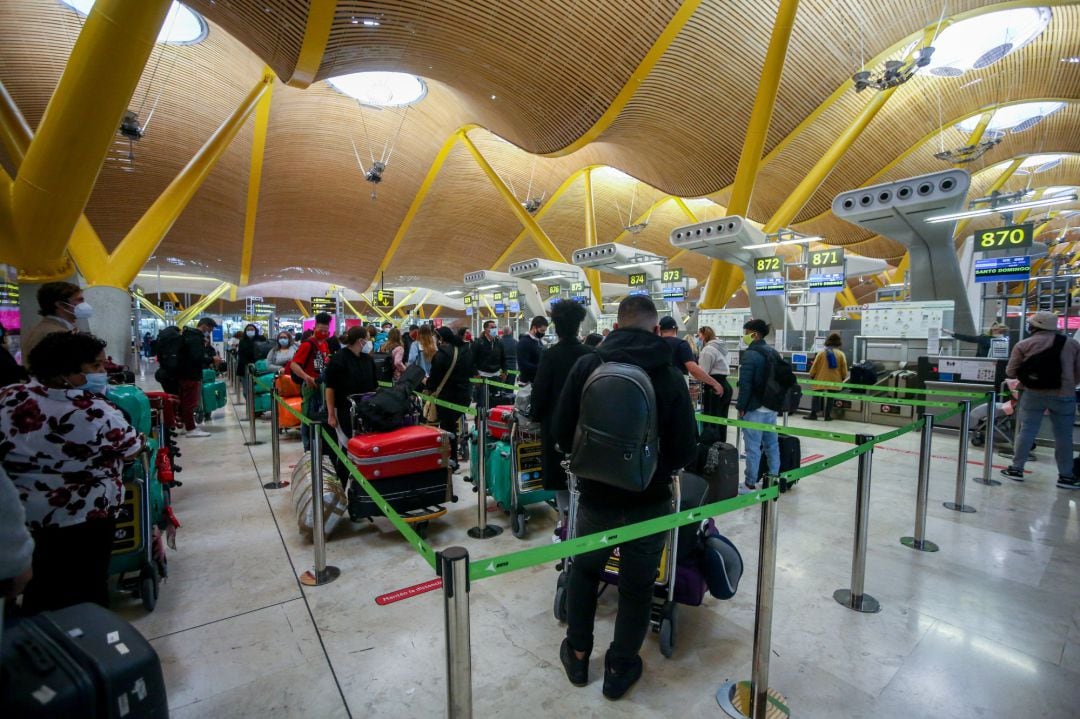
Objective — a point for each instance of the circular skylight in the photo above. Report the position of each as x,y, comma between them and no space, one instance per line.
982,40
381,89
182,26
1040,163
1013,118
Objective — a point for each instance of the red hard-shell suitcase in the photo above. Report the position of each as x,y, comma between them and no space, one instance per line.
80,661
499,420
409,450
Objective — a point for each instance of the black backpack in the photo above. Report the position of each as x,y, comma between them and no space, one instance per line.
615,441
170,351
781,392
1042,370
385,410
319,363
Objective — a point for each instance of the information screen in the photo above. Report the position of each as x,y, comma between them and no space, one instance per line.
1003,269
323,304
577,286
768,264
674,293
769,285
554,290
1004,238
826,283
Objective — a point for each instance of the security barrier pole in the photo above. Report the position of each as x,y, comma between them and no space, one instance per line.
919,541
988,450
854,598
957,505
275,443
759,673
322,573
249,385
453,567
482,530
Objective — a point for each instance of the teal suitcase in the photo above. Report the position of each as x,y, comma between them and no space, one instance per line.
134,403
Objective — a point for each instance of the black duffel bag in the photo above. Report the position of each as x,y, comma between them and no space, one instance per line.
384,410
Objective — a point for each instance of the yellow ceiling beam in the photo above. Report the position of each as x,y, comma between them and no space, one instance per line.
304,311
423,299
190,313
376,310
40,208
527,221
320,19
754,142
174,299
641,73
258,150
149,306
1024,214
435,311
592,275
404,301
352,309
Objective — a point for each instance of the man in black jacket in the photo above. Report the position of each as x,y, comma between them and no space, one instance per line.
529,349
182,357
489,358
602,507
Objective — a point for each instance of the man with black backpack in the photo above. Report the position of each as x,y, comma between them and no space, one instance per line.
307,367
758,387
626,418
1048,366
181,359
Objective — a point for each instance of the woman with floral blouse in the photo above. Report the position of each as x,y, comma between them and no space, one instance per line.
64,445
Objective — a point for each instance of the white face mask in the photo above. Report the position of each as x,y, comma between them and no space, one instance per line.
82,311
283,341
250,333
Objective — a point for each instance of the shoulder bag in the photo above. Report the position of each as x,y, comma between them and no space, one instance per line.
431,415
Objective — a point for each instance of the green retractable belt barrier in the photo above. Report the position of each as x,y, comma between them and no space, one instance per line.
883,400
904,390
793,431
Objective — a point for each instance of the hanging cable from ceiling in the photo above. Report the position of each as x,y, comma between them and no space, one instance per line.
373,173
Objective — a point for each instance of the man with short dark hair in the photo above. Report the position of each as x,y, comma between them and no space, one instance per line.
182,357
529,349
602,506
683,357
753,375
308,364
60,304
510,346
489,359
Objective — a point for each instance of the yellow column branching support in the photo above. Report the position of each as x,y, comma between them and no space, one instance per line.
40,208
304,312
191,312
542,240
404,301
435,311
149,306
590,240
258,150
320,19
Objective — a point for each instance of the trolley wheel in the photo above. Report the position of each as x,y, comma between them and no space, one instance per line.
148,589
560,597
977,440
667,630
517,523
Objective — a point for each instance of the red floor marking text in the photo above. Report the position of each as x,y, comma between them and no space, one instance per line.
811,458
407,592
945,457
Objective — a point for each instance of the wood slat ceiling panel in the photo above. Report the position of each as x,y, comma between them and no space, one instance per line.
553,67
272,29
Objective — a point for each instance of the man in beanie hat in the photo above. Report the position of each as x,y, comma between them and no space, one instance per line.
984,341
1055,396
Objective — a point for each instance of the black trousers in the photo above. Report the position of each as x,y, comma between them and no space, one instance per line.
450,421
717,406
819,404
71,566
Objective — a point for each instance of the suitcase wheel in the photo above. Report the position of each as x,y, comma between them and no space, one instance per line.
667,629
517,523
148,588
560,597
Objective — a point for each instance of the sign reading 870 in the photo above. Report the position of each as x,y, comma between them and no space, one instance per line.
1005,238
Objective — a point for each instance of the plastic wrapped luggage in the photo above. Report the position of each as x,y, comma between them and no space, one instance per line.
718,465
790,457
80,661
499,421
335,500
409,450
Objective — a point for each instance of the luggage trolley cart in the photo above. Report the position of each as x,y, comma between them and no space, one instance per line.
133,545
526,480
663,619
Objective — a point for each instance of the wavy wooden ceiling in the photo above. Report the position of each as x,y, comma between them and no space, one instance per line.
554,66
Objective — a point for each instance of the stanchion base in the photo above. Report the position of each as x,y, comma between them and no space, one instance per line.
863,603
734,700
965,508
923,546
987,482
252,444
276,485
487,532
313,578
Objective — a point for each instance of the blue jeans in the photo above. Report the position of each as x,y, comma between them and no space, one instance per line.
1062,411
638,561
755,438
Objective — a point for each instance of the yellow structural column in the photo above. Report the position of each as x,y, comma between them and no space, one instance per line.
191,312
320,19
303,308
258,150
722,274
590,241
542,240
40,208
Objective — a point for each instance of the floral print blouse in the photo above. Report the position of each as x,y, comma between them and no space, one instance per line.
64,450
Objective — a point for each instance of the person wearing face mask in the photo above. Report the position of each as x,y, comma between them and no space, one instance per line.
10,370
60,304
64,449
282,352
349,372
753,374
182,356
245,352
530,345
489,358
307,367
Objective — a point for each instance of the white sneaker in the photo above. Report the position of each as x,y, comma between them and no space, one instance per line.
197,433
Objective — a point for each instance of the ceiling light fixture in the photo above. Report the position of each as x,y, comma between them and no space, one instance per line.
984,211
454,293
1071,60
487,287
631,265
380,89
547,277
796,241
896,72
1013,118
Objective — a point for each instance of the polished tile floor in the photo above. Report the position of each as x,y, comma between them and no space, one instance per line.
987,627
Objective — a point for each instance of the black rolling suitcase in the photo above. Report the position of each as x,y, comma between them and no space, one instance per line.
718,464
790,458
81,661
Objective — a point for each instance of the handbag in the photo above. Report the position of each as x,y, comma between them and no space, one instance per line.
431,415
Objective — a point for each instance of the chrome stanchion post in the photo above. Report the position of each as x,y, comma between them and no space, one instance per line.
957,505
275,443
988,450
453,567
854,598
919,541
249,385
322,574
482,530
759,673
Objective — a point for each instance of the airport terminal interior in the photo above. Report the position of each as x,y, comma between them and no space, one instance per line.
892,188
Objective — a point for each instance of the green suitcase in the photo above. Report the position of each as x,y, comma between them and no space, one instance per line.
134,403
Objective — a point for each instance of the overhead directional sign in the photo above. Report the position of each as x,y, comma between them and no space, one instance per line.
768,264
383,299
467,299
637,279
323,304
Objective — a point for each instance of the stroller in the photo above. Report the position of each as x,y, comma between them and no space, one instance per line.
1004,419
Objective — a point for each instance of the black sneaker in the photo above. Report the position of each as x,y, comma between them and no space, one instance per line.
577,670
1068,483
618,680
1017,475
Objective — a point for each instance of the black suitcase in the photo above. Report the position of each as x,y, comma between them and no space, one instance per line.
81,661
718,464
790,458
404,493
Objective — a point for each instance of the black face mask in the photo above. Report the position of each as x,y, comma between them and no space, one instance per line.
540,335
